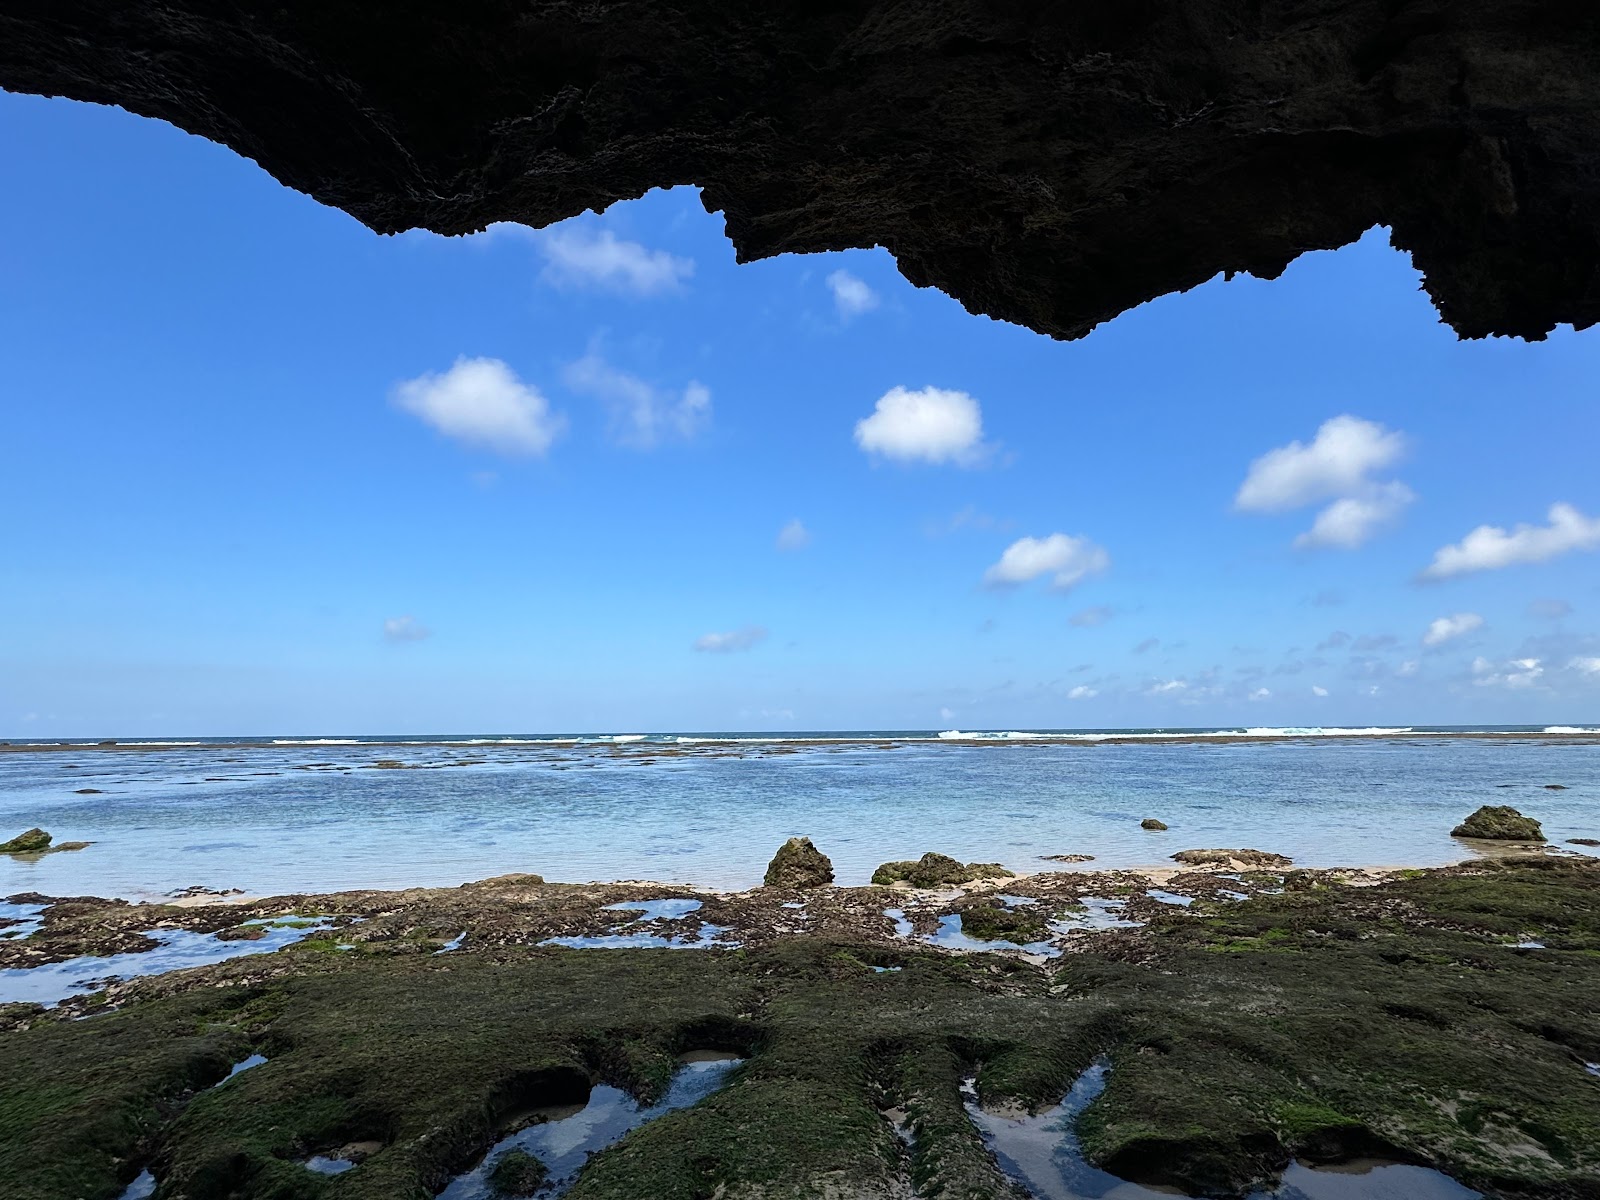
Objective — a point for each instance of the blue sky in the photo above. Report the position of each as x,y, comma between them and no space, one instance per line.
266,471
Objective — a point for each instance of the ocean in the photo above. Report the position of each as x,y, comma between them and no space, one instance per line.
278,815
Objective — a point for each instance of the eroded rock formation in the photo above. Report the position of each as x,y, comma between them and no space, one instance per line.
1049,164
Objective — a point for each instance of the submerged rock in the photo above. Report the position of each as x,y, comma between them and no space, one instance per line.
1583,841
517,1173
799,864
937,870
1152,823
1499,823
32,841
1231,858
1067,858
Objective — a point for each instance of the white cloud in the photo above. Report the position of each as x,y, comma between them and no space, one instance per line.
480,401
579,255
1261,694
1517,674
1351,521
931,425
1069,559
794,536
1088,618
947,714
1337,466
727,643
404,629
1317,690
1082,692
642,415
1489,547
1444,629
1589,666
851,296
1168,688
1407,668
1336,463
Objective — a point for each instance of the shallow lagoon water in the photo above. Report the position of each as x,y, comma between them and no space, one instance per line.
313,816
564,1145
1042,1153
177,949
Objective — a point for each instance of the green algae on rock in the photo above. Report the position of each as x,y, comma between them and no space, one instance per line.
1232,859
1323,1021
1499,823
516,1173
799,864
32,841
937,870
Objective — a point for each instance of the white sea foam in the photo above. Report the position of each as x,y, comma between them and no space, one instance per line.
1009,735
1568,729
317,742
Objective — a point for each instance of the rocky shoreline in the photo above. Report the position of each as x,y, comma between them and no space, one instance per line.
1252,1012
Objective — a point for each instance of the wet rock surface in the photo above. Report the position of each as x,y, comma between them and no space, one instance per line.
936,870
1152,823
1232,859
1051,165
30,841
1499,823
1277,1014
799,864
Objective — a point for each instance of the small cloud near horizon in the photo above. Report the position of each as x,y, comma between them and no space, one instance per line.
1069,560
399,630
793,536
1493,548
731,642
1445,629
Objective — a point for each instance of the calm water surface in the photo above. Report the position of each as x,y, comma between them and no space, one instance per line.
322,816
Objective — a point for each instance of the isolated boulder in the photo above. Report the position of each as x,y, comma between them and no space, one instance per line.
799,864
33,841
1499,823
1232,859
1152,823
1583,841
936,870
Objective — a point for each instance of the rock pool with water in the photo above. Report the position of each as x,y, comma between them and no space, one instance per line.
563,1141
1042,1154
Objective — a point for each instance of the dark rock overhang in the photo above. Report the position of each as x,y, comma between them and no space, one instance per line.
1048,162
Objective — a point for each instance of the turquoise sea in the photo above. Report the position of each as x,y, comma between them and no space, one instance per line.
274,815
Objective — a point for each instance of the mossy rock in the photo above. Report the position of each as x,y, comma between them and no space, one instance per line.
1499,823
1234,859
937,870
997,923
799,864
34,841
517,1173
1152,823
